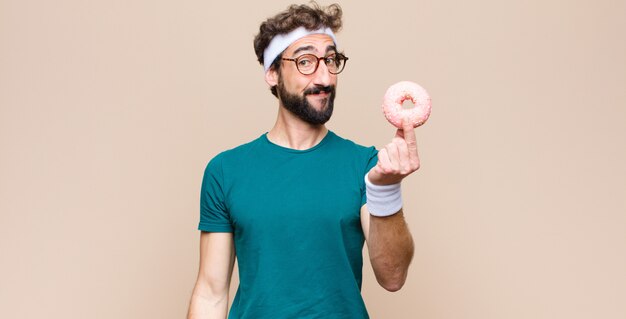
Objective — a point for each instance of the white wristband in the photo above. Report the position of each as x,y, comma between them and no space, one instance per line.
383,200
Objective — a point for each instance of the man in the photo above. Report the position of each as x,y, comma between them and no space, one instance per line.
291,204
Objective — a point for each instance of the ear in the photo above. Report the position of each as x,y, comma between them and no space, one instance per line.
271,77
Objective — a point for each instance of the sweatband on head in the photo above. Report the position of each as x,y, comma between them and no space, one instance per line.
383,200
281,41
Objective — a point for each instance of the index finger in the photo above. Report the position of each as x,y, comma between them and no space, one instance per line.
408,131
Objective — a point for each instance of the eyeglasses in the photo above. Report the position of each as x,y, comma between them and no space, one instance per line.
308,63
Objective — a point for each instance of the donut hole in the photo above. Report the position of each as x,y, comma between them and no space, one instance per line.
408,104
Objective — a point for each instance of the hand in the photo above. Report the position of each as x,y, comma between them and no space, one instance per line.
397,159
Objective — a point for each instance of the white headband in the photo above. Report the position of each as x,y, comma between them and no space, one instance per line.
281,41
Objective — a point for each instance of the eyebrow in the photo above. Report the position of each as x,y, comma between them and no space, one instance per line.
331,48
311,48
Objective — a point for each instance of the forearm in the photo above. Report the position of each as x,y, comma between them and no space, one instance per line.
390,247
207,305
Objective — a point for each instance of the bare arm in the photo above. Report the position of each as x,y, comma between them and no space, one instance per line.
210,294
389,241
390,247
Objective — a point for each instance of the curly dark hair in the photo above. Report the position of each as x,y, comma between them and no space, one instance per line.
312,17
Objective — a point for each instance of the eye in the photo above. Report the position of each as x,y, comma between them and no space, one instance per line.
305,61
333,59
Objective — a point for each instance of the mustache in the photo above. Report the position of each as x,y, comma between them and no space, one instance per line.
319,89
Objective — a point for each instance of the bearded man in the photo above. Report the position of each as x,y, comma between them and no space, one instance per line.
296,205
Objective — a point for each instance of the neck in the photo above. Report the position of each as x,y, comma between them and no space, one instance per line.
291,132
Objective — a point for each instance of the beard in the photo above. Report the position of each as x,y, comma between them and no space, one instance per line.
300,106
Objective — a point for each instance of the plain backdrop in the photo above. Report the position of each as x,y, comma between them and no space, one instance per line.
110,110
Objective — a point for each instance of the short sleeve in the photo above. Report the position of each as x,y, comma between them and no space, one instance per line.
371,160
214,216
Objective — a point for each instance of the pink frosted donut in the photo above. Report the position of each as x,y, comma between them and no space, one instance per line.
398,93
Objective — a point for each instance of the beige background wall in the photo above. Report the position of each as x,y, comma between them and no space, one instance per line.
109,111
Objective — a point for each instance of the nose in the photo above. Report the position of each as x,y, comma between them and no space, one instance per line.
322,76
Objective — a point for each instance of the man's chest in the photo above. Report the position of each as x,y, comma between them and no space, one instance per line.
301,199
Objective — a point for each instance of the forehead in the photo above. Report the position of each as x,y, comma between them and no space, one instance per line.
314,43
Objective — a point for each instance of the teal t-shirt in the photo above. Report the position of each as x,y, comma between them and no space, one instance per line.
295,218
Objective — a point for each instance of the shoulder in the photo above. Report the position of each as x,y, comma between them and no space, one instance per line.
234,155
354,147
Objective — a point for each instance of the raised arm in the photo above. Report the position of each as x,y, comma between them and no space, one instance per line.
389,241
210,294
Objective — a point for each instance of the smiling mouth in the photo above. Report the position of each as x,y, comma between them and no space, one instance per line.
319,90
